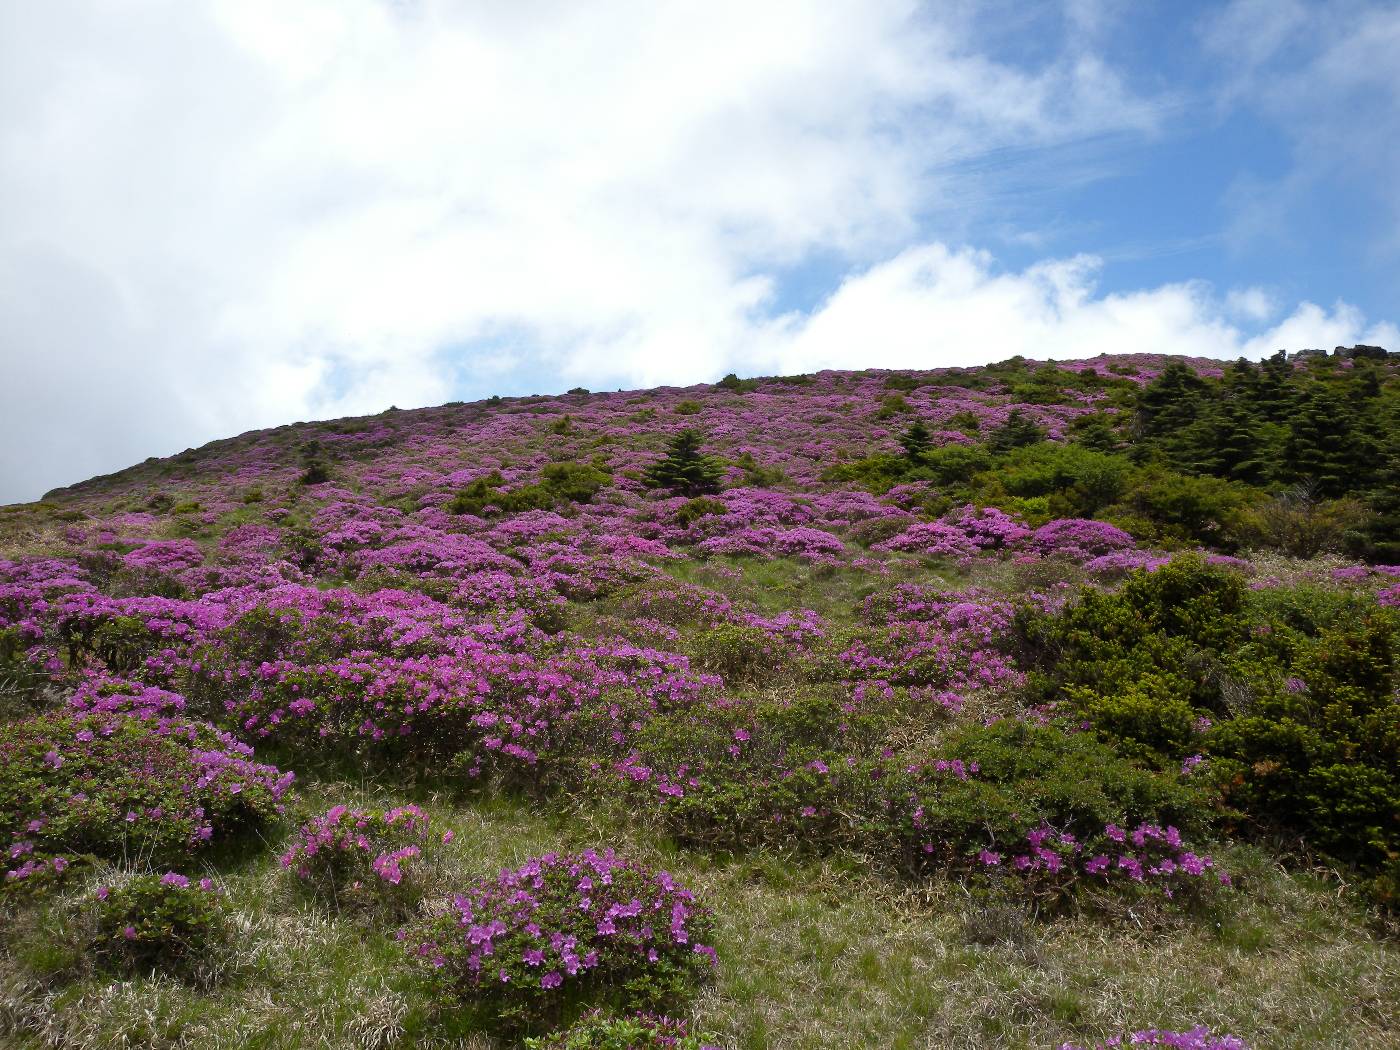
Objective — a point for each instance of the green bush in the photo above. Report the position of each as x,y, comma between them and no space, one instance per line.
158,924
600,1031
736,653
693,510
1184,507
560,483
1289,693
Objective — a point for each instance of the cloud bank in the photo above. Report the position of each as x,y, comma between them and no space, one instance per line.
230,214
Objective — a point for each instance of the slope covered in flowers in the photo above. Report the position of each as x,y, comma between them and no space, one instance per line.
877,621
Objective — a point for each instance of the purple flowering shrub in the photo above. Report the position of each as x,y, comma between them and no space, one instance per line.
1198,1038
157,923
124,773
598,1030
534,945
355,859
1145,862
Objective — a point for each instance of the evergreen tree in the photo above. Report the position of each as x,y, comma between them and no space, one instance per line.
1325,446
686,468
1234,444
314,468
916,440
1018,431
1272,393
1171,402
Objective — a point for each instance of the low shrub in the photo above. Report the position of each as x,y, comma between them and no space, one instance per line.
600,1031
158,923
736,653
131,777
362,860
534,946
1290,695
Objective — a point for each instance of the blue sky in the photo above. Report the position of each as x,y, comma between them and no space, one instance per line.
217,215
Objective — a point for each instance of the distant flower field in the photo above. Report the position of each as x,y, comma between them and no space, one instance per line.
1021,706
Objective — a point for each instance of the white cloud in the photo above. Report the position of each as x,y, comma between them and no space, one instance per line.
222,214
263,211
935,305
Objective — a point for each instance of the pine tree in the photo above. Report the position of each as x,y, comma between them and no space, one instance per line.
686,468
916,440
1018,431
1235,444
1325,445
1171,402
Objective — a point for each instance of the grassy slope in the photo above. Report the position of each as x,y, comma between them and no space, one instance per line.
814,953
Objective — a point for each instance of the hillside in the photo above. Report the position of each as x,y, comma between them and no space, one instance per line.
1033,705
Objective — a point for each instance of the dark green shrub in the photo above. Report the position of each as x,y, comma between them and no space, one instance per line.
481,493
739,386
1295,691
560,483
1079,481
693,510
686,468
1200,509
574,482
1051,774
758,475
688,408
891,406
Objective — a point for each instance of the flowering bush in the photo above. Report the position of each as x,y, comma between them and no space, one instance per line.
160,923
534,944
354,858
1080,538
1146,858
597,1030
124,779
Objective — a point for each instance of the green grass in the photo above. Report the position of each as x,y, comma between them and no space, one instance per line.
814,953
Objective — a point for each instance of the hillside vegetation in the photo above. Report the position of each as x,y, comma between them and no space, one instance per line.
1036,705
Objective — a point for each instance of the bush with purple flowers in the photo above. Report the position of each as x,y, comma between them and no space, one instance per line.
356,859
534,945
129,776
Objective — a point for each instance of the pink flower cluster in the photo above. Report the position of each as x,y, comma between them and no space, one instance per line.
353,853
965,533
1147,855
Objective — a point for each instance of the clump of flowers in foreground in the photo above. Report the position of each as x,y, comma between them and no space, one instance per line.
356,858
642,1031
1199,1038
535,944
165,923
